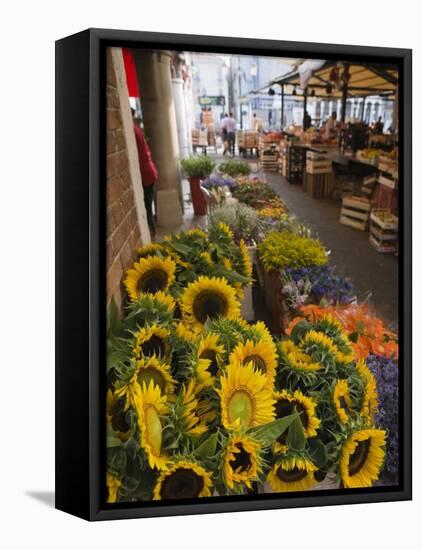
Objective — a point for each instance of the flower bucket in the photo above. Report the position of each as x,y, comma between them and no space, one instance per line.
274,301
198,199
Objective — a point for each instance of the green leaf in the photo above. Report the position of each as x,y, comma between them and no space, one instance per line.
181,248
296,438
318,452
113,317
268,433
207,448
299,330
112,439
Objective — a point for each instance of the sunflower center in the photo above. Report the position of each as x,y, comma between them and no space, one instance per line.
242,460
148,374
153,281
212,358
358,458
182,483
155,345
153,429
290,476
241,407
209,304
118,415
257,361
283,408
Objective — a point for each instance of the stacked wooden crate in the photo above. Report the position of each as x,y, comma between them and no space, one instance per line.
355,212
268,153
295,160
383,230
318,180
199,138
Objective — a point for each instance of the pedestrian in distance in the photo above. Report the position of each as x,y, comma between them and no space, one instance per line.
149,173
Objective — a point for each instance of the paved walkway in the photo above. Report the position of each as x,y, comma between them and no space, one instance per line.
375,275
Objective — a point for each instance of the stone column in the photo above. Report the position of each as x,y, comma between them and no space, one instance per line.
179,103
159,118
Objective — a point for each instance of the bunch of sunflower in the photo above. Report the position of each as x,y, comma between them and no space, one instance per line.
336,395
202,403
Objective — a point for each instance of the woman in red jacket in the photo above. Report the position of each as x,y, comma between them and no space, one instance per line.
149,172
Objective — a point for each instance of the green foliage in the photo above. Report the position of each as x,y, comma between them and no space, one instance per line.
295,437
234,168
268,433
280,250
241,219
198,166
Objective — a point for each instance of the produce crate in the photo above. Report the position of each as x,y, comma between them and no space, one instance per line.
355,212
318,186
268,160
383,230
387,179
318,166
386,197
368,184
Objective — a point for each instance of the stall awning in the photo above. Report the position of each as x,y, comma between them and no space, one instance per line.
366,79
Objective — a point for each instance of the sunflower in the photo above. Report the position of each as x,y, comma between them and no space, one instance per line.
224,228
151,275
209,355
296,359
150,405
246,261
153,370
113,486
285,404
242,461
206,256
116,409
150,249
319,342
362,458
209,298
227,263
245,400
292,473
149,341
370,395
262,355
185,333
187,410
185,479
342,400
261,331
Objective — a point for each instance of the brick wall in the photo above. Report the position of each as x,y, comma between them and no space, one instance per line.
123,232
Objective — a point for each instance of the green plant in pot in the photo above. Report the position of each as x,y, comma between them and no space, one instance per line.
196,169
234,168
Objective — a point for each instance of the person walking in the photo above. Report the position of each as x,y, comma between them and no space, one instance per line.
148,170
230,125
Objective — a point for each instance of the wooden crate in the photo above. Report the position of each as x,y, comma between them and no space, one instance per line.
383,230
318,166
355,212
318,186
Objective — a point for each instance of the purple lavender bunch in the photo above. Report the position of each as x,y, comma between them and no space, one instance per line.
214,181
386,372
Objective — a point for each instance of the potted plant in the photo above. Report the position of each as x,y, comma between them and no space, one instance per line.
197,168
234,168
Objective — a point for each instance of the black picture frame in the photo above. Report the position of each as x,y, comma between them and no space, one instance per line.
80,273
